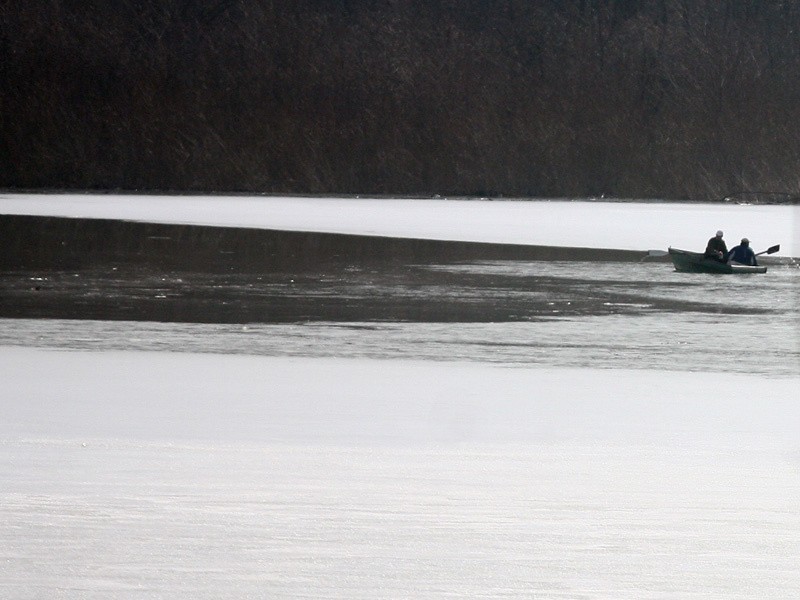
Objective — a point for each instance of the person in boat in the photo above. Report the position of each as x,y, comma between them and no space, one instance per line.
743,254
716,248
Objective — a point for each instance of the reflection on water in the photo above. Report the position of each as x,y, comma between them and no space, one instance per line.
610,315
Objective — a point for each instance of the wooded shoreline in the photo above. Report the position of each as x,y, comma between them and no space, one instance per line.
620,98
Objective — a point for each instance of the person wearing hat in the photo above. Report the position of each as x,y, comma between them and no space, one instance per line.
717,249
743,254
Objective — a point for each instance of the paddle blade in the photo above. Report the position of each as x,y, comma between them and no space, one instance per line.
770,250
657,253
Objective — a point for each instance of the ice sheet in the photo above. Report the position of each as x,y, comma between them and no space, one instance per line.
618,225
131,474
225,398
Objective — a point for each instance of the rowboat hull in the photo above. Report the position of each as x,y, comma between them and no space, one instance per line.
695,262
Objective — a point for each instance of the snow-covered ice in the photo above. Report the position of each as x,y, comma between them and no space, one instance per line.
130,474
296,400
619,225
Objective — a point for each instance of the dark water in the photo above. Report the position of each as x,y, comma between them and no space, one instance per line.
604,314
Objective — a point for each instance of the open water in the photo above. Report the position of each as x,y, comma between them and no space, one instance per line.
578,314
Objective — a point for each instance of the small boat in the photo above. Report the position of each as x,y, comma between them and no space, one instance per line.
696,262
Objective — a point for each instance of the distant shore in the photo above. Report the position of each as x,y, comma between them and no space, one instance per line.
744,197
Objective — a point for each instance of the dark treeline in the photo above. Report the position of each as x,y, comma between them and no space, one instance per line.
628,98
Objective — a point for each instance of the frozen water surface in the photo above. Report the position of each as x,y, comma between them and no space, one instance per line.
590,224
632,435
167,475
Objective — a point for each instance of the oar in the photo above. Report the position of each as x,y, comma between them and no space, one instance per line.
770,250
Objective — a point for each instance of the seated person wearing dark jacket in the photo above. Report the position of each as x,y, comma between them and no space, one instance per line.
743,254
716,248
